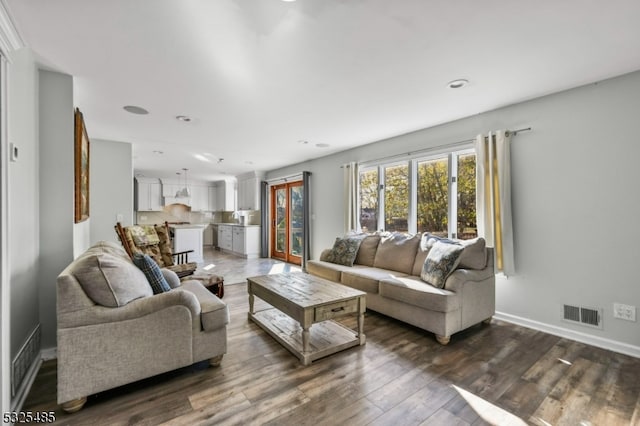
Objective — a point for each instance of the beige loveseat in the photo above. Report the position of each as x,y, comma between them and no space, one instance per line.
388,268
112,330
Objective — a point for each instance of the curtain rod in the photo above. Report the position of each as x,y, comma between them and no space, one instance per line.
433,148
293,177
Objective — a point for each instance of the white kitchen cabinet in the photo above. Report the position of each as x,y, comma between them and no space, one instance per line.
225,237
213,198
199,198
248,191
238,239
226,196
148,195
187,237
208,235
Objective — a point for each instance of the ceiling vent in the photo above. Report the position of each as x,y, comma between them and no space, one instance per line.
590,317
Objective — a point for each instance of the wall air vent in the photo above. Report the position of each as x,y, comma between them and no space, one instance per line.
590,317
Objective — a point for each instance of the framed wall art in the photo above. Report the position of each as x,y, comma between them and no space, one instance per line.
81,150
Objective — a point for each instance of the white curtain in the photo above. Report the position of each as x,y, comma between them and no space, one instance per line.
493,196
350,172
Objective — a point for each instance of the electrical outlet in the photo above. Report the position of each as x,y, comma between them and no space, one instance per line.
625,312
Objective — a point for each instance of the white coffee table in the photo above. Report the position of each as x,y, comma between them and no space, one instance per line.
300,300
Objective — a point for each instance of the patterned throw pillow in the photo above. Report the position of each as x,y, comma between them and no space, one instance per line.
153,273
344,251
442,260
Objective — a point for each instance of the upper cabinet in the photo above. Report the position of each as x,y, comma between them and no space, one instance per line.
199,198
226,195
249,191
148,194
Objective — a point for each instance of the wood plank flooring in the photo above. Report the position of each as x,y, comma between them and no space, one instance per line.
498,374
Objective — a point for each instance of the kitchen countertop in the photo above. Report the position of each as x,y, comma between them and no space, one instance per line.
235,224
189,226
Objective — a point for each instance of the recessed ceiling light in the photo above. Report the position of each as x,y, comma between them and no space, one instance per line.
184,118
248,162
322,145
135,110
303,142
456,84
158,152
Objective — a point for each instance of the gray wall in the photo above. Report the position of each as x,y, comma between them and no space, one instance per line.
43,238
23,206
57,229
575,203
111,187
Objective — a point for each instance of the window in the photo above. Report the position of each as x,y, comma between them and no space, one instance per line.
396,197
368,199
435,194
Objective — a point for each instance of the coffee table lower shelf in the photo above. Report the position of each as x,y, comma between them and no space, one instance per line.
326,337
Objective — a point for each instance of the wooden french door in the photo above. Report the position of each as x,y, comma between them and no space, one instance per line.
287,222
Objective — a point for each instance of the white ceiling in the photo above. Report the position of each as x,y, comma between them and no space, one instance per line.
259,76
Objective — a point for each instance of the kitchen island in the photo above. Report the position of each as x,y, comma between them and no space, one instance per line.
241,240
188,237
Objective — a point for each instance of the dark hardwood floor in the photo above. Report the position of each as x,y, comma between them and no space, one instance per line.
499,374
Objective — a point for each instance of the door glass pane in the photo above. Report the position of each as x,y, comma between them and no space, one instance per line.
369,200
433,196
396,198
281,219
296,221
467,226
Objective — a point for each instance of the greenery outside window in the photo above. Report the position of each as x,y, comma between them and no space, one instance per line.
435,194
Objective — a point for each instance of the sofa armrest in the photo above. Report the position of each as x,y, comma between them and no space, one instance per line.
460,277
135,309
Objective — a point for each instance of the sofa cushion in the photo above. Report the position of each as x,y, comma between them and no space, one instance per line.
344,251
109,280
442,260
397,252
367,251
327,270
367,278
107,247
172,278
474,255
214,313
415,292
153,273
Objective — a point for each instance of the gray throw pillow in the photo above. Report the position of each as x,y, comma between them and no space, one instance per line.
474,255
442,260
344,251
172,278
109,280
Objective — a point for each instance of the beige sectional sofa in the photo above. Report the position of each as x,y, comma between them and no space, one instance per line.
113,330
388,267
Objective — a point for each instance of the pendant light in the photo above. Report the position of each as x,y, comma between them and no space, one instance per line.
184,192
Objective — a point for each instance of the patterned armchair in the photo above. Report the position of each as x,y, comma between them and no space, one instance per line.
155,241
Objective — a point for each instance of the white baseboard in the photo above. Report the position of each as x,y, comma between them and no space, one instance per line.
25,387
49,354
578,336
